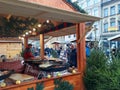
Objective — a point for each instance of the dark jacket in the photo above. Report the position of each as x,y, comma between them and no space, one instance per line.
73,58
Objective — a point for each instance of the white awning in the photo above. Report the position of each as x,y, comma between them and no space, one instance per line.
114,38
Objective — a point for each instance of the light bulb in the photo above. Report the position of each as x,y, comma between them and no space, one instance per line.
30,31
19,37
39,25
26,33
48,21
34,29
23,35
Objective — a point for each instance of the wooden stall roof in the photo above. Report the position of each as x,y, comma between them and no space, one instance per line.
60,4
46,10
22,8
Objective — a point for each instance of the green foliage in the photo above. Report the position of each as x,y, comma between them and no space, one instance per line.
30,88
102,73
39,86
15,26
61,84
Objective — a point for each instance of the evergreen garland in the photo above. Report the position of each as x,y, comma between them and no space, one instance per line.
15,26
61,84
30,88
39,86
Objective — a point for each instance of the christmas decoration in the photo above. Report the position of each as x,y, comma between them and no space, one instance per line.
15,26
39,86
61,84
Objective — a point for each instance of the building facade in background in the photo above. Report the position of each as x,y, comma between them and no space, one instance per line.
108,26
111,21
93,7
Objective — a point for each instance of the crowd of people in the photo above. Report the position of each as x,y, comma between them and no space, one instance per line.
68,54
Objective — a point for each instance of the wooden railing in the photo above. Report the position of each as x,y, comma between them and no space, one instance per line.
75,79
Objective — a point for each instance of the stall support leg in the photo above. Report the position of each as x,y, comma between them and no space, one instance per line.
25,42
81,55
42,46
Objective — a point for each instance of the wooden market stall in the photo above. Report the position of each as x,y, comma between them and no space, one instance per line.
63,12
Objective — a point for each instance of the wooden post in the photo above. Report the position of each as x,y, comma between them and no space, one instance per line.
25,42
42,46
81,55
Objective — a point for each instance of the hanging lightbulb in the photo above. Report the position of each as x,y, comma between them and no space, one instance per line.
26,33
39,25
34,29
23,35
48,21
19,37
30,31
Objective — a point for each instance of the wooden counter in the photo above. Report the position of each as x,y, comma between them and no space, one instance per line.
75,79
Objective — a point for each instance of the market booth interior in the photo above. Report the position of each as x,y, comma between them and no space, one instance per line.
24,66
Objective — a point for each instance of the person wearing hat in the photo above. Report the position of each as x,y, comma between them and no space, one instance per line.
28,53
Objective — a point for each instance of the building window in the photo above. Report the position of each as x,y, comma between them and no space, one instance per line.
96,12
119,25
112,22
96,1
105,12
89,2
106,27
119,8
112,10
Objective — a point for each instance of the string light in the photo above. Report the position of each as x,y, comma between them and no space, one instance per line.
23,35
48,21
39,25
34,29
20,37
26,33
30,31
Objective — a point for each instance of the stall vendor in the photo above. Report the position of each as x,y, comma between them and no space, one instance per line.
28,53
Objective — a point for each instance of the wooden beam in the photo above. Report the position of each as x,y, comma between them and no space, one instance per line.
48,39
86,30
42,46
25,42
81,56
